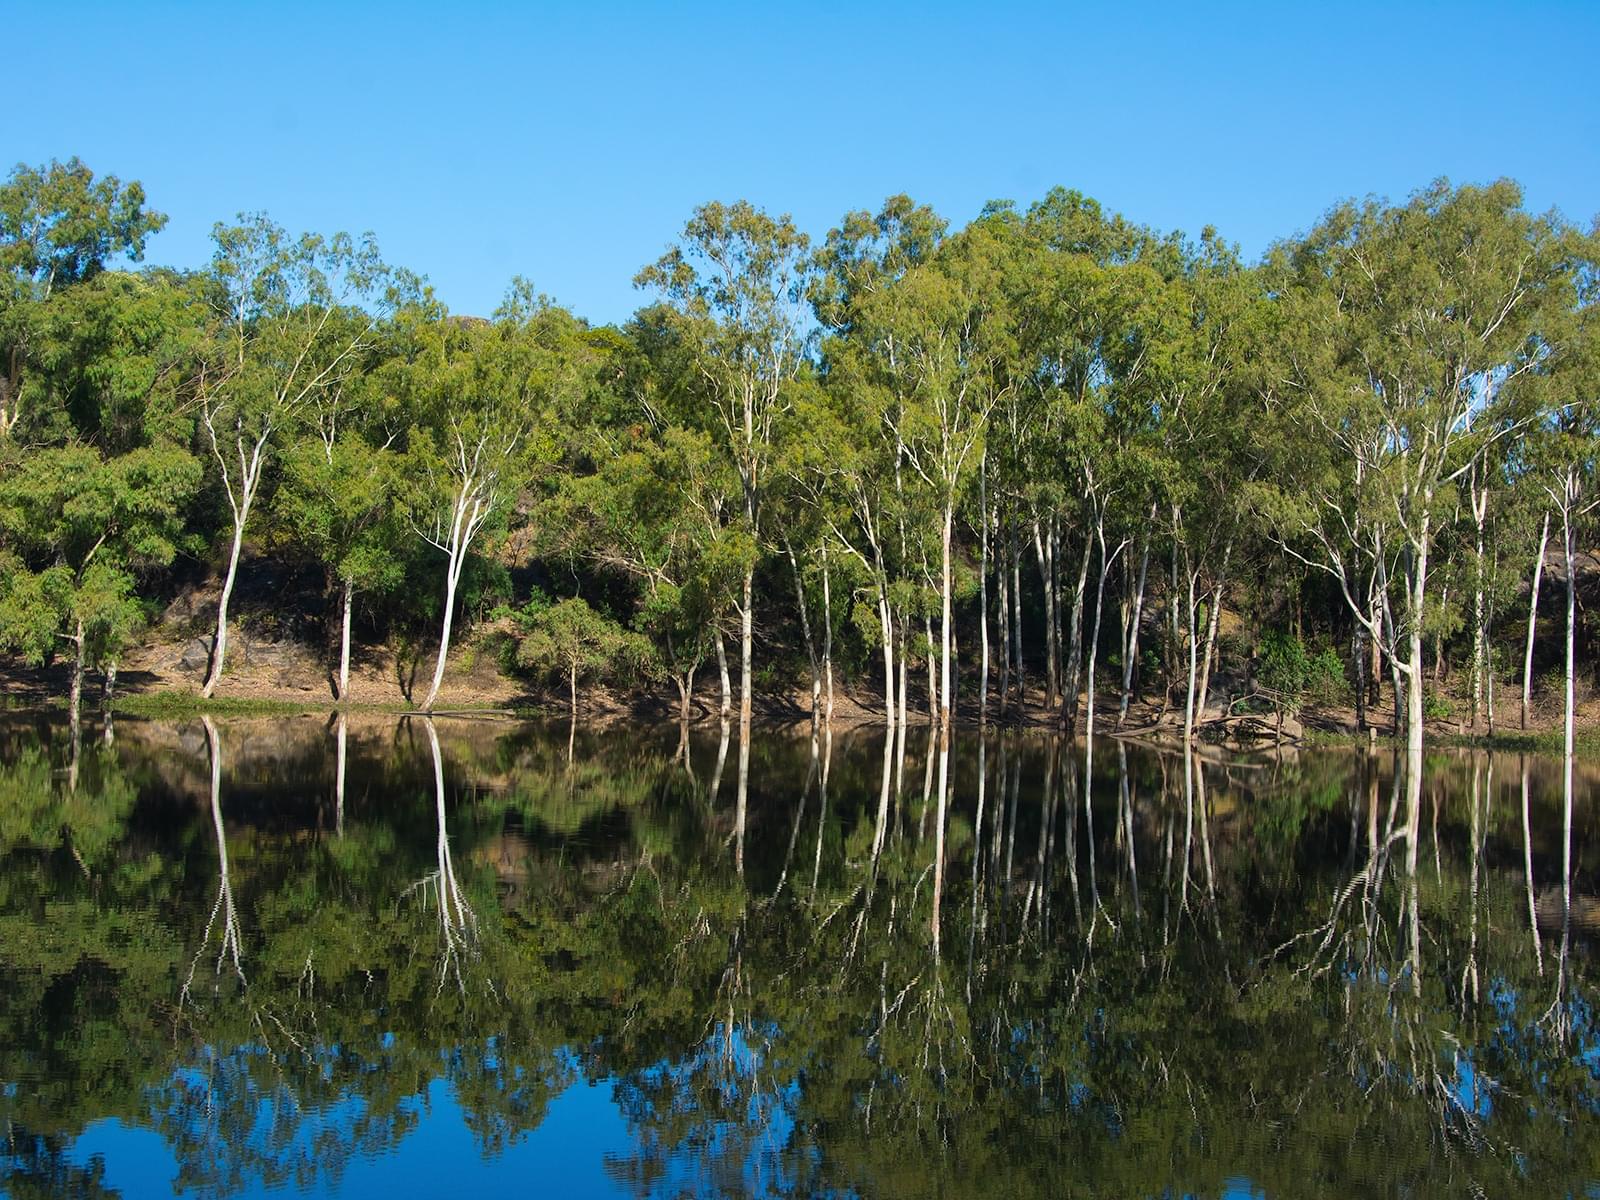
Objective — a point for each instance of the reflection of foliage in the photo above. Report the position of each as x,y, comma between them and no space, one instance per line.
798,1039
38,1166
38,809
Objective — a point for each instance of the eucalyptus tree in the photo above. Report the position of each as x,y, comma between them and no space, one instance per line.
1412,322
856,271
59,226
646,497
293,318
1206,450
81,521
574,640
736,282
1079,279
483,397
942,338
340,498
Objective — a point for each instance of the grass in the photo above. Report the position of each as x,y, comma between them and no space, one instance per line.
162,704
175,704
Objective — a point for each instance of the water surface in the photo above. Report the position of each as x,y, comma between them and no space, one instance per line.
257,957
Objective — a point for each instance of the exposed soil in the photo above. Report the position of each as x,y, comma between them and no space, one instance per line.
270,659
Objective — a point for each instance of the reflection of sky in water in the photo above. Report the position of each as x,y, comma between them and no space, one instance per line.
564,1156
581,1147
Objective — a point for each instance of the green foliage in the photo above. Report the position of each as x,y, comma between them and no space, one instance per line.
1436,706
573,641
1297,674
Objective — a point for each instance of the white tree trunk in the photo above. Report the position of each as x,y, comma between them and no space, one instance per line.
250,469
726,709
219,643
746,643
1044,551
452,577
1419,583
1069,699
1130,648
983,598
827,633
344,640
1533,619
886,620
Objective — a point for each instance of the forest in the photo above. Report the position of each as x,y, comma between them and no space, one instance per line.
1048,461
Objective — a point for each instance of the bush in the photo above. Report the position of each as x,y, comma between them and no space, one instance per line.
1298,675
1436,706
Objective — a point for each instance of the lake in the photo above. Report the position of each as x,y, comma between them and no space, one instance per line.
395,957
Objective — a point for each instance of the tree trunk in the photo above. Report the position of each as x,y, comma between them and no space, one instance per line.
1044,550
722,671
1189,691
219,644
453,567
1209,654
1419,583
75,696
827,632
344,640
1358,668
946,629
1480,636
805,629
1568,510
1130,647
983,601
1069,701
1003,621
904,666
886,619
572,720
1533,619
1094,646
685,695
1569,551
1016,604
746,644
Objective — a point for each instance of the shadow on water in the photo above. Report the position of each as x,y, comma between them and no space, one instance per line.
303,954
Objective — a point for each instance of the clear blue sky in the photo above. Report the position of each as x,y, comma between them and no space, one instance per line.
568,143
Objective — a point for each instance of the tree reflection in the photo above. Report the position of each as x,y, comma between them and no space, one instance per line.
792,1027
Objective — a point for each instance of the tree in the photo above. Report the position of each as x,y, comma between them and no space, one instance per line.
293,316
59,226
483,396
341,496
82,520
736,282
1408,323
845,425
575,641
79,527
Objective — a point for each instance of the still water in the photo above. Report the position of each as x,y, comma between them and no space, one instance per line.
402,958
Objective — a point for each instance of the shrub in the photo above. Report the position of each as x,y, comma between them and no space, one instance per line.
1297,675
1436,706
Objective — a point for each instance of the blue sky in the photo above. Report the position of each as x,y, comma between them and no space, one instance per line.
568,143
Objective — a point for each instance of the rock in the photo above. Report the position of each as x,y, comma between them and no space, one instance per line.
196,654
